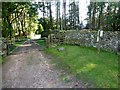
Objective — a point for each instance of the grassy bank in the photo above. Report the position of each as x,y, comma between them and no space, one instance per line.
86,64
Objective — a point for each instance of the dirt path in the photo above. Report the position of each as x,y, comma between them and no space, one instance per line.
28,67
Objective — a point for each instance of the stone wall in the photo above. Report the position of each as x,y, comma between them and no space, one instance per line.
3,46
109,40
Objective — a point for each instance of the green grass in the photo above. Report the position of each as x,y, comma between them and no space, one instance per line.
64,78
101,70
41,42
16,44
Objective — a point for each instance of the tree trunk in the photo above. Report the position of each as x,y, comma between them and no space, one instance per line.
51,22
57,19
64,14
93,15
44,16
9,27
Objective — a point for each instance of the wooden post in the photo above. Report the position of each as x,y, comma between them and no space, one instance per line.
99,46
100,34
45,42
7,44
118,49
48,41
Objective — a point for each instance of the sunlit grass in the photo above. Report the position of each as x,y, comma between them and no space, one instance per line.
86,64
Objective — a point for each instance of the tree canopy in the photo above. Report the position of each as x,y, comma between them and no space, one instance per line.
105,15
21,18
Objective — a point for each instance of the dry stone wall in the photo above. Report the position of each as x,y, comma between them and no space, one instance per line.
109,41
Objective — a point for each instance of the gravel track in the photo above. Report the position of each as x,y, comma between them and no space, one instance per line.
28,67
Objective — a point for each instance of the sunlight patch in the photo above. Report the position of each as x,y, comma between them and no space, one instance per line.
26,45
87,68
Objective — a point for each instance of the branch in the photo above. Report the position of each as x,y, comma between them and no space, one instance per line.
17,16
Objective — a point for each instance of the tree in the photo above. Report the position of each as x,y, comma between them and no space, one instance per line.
74,15
58,14
51,20
64,15
18,18
40,29
102,13
93,15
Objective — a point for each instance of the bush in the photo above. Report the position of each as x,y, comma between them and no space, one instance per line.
40,29
45,33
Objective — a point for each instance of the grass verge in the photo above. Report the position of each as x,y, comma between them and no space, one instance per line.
86,64
16,44
41,42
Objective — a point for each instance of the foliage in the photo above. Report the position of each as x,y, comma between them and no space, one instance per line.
100,14
40,29
100,70
54,26
45,22
45,33
74,15
19,18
